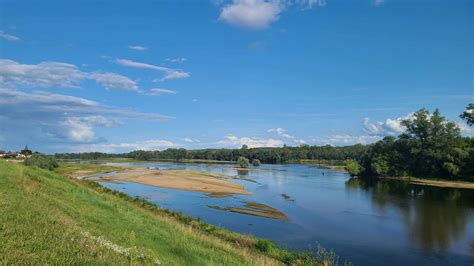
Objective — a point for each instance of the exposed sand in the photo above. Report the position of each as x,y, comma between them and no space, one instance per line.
213,184
256,209
251,169
434,183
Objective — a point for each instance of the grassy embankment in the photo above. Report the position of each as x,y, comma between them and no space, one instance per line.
47,218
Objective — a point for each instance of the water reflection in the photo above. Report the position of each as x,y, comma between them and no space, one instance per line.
243,172
433,217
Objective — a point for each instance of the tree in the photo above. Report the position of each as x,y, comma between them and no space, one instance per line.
468,114
243,162
256,162
353,167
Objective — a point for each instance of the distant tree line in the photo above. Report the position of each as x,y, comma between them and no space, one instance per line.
254,155
430,147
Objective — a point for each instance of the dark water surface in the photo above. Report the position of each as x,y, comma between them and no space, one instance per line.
368,223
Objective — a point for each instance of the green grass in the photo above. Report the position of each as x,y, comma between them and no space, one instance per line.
47,218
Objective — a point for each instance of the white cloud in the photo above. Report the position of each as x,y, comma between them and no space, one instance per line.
157,91
259,14
58,75
465,129
389,127
175,74
190,140
56,118
346,139
44,74
177,60
138,47
251,14
251,142
168,72
130,63
114,81
8,37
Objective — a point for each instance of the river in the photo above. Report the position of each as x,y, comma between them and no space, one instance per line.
367,223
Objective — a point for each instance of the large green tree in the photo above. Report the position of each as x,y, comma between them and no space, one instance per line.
468,114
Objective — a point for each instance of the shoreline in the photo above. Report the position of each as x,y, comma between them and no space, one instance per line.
432,182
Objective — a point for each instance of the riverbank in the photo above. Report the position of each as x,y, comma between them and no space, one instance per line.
102,226
433,182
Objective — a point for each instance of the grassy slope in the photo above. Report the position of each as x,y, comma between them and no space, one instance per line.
47,218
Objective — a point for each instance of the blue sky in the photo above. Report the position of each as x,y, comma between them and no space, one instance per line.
121,75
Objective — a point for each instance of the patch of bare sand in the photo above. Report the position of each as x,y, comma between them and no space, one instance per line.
256,209
184,180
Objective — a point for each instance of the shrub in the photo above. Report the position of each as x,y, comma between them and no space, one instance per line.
41,161
256,162
353,167
243,162
263,245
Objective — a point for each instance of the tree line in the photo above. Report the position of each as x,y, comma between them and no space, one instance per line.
430,147
264,155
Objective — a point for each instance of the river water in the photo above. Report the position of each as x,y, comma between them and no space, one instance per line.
367,223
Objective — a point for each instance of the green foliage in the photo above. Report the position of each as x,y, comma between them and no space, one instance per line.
243,162
256,162
430,147
379,166
468,114
263,245
41,161
353,167
264,155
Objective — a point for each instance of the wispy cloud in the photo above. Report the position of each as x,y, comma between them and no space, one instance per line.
51,74
114,81
281,132
9,37
169,73
137,47
284,134
177,60
190,140
156,92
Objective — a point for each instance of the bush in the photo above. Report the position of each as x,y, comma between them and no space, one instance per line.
41,161
263,245
243,162
353,167
256,162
